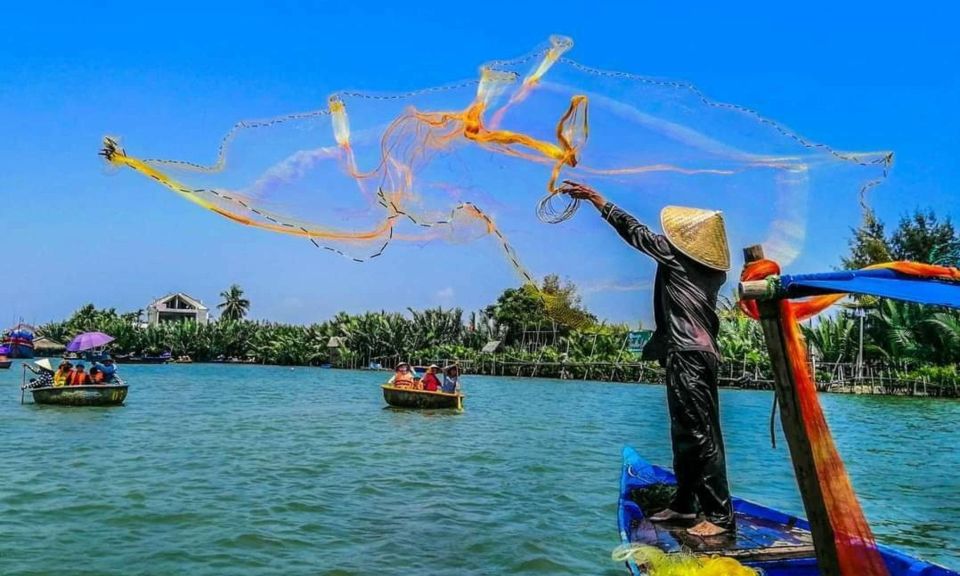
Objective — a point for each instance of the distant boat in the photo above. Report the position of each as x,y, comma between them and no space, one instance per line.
422,399
92,395
5,363
19,341
249,359
110,393
133,359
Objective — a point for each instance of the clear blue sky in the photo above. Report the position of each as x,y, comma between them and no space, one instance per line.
866,77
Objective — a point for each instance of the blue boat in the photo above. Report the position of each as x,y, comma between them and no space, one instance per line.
777,543
19,341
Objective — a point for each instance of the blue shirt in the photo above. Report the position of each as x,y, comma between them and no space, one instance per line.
449,384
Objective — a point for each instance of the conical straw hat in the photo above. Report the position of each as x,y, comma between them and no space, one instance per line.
698,233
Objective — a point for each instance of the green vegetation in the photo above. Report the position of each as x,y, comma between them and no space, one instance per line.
901,340
907,341
900,332
920,237
518,319
234,305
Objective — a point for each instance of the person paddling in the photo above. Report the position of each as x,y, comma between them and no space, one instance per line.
692,259
451,379
44,372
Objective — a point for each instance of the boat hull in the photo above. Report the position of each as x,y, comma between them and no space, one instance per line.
5,364
19,350
775,542
421,399
103,395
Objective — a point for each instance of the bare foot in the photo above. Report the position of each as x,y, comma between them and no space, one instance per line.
706,529
668,515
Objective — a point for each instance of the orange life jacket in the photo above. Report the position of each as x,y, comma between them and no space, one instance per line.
77,378
403,380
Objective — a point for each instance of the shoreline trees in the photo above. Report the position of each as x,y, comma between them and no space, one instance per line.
920,342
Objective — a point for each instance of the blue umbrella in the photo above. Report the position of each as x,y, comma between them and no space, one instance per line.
89,340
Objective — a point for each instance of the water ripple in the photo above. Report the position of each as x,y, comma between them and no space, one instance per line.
213,470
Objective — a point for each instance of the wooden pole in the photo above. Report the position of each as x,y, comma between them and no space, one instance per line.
801,452
755,289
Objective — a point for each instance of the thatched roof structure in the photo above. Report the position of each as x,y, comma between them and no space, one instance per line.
44,346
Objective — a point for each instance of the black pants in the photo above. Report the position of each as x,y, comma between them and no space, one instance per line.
698,455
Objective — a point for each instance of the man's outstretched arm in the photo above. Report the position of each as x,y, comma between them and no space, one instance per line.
630,229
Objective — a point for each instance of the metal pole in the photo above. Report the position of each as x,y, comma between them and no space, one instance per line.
861,314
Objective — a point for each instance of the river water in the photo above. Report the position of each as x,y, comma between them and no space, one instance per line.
252,470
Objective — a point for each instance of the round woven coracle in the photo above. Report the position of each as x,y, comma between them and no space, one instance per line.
698,233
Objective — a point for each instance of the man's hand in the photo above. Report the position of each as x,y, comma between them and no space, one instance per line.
583,192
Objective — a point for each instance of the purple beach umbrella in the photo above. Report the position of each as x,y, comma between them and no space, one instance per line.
89,340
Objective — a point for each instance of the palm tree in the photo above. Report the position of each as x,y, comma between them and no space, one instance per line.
234,305
834,337
84,319
436,326
56,331
946,327
912,332
153,340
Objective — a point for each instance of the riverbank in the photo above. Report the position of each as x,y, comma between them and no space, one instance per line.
497,341
731,375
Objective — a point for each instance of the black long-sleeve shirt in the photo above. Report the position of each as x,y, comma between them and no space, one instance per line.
685,291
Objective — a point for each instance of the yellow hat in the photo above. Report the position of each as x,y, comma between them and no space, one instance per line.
698,233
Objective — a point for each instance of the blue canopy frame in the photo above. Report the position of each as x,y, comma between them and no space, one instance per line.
885,283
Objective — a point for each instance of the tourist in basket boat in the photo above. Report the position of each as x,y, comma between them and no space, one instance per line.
451,379
430,382
107,368
78,377
692,259
95,376
402,377
62,374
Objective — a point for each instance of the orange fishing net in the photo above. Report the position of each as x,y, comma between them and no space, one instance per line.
856,547
395,179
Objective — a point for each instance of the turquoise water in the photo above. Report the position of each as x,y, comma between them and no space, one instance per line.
243,470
